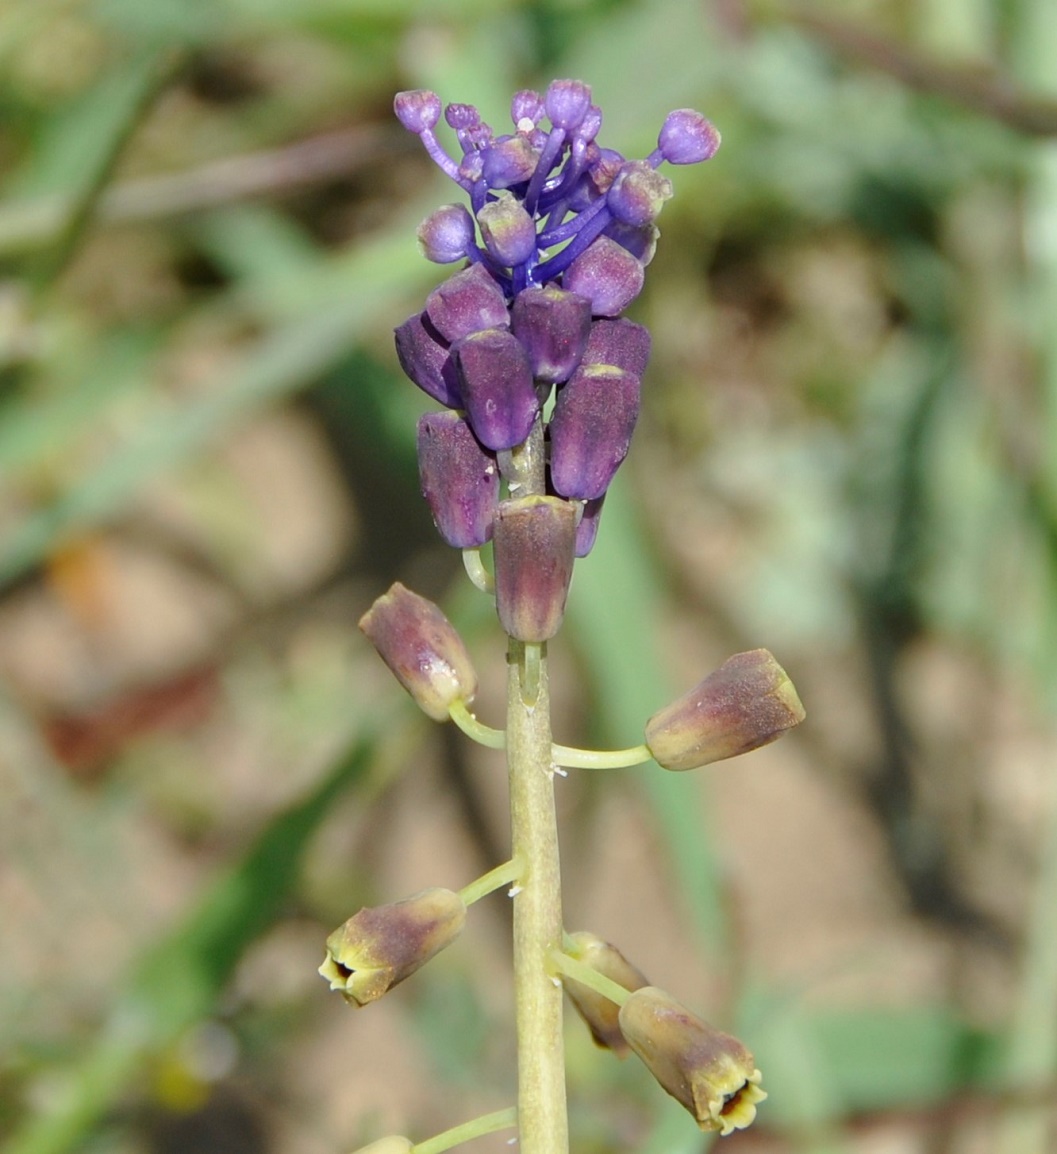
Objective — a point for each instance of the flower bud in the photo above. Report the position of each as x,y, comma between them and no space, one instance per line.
591,429
508,161
466,303
382,945
553,325
509,233
618,342
425,357
533,541
587,526
638,193
747,702
567,103
460,479
393,1144
607,274
417,110
598,1011
686,137
712,1074
447,235
421,647
495,379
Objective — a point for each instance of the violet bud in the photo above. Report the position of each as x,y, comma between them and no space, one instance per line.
587,526
686,137
423,650
495,380
710,1073
509,233
417,110
508,161
607,274
447,235
526,109
590,429
461,116
460,479
639,240
567,103
598,1011
747,702
638,193
467,302
533,542
553,325
382,945
425,357
618,342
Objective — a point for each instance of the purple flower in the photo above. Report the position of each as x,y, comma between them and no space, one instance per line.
556,237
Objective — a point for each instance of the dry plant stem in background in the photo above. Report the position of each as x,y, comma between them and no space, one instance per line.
552,253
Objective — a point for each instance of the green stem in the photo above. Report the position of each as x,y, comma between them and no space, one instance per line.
488,883
587,976
486,1124
474,729
573,758
542,1116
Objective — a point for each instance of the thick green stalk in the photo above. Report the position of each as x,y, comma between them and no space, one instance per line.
542,1117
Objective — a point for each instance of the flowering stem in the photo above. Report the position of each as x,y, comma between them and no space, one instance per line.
542,1115
486,1124
474,729
575,758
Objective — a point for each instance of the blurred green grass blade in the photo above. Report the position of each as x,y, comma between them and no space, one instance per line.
32,427
614,618
179,980
362,292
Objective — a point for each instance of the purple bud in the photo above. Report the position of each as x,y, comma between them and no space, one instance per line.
686,137
508,161
567,103
496,383
466,303
447,235
591,429
618,342
553,325
598,1011
462,116
533,547
747,702
587,528
509,233
425,357
590,125
423,650
641,241
638,193
527,106
417,110
608,275
460,479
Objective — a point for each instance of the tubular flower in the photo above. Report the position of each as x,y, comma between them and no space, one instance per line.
556,239
712,1074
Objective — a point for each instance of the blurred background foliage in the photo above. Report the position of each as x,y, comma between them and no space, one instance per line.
848,454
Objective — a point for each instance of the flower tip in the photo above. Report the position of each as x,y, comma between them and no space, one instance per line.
687,137
418,109
567,103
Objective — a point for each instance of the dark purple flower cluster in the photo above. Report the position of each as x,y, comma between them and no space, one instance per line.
556,245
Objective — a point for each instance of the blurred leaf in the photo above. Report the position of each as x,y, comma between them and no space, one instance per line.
179,978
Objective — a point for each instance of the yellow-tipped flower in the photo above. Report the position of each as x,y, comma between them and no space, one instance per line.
382,945
598,1011
711,1073
749,701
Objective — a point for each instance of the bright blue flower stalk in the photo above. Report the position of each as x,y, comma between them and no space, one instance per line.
555,243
